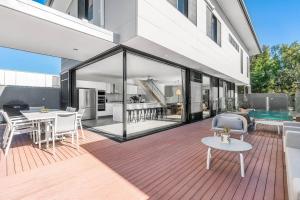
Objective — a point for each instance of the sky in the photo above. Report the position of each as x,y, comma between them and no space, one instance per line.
29,62
41,1
275,22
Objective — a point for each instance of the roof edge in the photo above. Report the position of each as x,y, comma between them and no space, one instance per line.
245,11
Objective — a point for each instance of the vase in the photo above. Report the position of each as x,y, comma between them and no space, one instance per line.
225,138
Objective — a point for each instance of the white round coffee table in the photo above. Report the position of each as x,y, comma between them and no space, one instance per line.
235,145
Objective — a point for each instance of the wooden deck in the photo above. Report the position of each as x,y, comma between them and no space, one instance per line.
166,165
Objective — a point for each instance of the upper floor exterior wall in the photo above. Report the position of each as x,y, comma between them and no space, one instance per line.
161,23
168,30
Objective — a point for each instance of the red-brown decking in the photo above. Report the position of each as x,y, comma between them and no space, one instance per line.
166,165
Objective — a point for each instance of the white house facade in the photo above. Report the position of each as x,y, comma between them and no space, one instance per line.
150,64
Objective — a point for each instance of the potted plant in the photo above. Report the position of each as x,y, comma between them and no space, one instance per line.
44,110
225,136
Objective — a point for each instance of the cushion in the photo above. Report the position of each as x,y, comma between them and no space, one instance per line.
230,122
296,188
292,139
293,162
246,115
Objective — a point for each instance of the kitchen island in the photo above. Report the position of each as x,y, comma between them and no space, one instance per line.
118,108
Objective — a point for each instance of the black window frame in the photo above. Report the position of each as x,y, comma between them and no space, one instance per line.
234,43
242,61
89,13
189,9
214,27
185,10
83,10
248,67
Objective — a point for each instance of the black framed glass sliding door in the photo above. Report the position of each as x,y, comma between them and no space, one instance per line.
196,109
206,96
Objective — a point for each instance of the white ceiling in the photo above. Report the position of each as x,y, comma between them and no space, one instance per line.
57,34
137,68
234,12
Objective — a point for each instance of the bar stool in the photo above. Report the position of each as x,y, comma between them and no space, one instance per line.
139,112
130,112
144,110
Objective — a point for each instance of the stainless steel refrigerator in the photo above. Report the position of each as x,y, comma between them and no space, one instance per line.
87,100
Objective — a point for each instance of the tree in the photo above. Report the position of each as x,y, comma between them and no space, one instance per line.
276,69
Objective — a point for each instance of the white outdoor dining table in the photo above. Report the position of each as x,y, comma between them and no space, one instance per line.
40,117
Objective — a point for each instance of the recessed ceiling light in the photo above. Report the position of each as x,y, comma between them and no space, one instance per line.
75,49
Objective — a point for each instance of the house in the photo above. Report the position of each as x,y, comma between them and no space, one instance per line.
140,66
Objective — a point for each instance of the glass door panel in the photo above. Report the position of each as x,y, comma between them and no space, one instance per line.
206,94
155,95
196,108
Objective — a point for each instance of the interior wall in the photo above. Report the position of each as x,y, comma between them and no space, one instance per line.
120,18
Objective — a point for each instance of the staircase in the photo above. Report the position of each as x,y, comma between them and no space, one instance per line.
151,90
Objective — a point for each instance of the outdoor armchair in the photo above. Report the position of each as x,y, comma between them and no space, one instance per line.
236,123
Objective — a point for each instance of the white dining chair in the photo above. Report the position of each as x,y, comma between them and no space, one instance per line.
70,109
13,128
65,124
36,109
6,130
80,114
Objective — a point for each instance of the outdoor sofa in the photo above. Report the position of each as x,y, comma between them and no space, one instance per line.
292,160
289,126
236,123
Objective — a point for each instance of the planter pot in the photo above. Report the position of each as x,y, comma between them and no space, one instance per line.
225,138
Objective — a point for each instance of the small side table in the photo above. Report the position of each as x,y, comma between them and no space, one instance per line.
234,146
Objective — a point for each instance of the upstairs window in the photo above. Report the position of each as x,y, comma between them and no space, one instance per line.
242,61
248,67
182,6
85,9
213,27
89,9
234,43
187,7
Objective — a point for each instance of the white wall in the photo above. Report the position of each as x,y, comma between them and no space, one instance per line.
91,84
73,8
120,17
161,23
8,77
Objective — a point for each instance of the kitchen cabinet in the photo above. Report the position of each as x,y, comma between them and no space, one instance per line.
108,110
110,88
132,89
